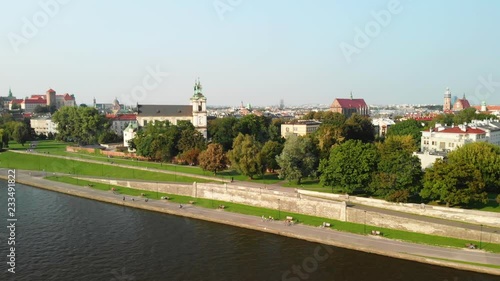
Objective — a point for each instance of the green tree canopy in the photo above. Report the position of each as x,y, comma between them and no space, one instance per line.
157,141
298,159
270,151
82,125
359,127
350,166
454,183
245,155
485,157
407,127
21,133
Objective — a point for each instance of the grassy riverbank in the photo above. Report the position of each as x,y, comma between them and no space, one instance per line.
304,219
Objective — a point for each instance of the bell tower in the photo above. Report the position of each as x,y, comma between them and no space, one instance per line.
447,100
199,104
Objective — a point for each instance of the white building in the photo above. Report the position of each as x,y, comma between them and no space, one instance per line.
196,113
381,125
445,139
129,133
43,125
120,121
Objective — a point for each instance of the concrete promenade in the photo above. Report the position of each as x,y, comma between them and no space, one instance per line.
371,244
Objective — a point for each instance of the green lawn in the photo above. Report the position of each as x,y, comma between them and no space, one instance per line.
59,148
305,219
66,166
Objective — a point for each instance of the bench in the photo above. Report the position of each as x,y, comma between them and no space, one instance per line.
326,224
192,202
165,198
90,185
289,218
470,246
222,207
376,232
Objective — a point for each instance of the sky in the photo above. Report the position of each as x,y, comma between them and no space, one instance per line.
252,51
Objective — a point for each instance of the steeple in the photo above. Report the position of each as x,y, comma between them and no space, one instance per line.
464,96
10,93
351,95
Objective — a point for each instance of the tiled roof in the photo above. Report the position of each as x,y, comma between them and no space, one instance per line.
122,117
51,91
464,102
458,130
164,110
351,103
35,100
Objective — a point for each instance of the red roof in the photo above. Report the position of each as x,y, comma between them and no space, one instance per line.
457,130
488,107
35,100
351,103
464,102
50,91
37,96
17,101
67,97
122,117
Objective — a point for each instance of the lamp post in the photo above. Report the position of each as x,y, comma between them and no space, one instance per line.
364,227
481,237
156,190
279,209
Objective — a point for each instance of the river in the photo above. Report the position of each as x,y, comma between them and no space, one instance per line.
61,237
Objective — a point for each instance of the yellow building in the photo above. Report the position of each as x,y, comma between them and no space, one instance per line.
300,127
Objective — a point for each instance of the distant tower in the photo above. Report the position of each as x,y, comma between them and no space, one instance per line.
94,103
282,104
51,97
447,100
10,93
483,106
199,103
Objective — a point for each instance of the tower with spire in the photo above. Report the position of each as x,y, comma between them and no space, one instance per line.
447,100
199,106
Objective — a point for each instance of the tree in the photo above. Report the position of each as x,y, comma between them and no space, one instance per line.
221,131
157,141
269,152
190,157
4,138
15,106
108,137
465,116
82,125
297,160
398,143
398,176
454,183
408,127
327,136
213,158
359,127
350,166
485,157
21,133
190,138
245,156
41,109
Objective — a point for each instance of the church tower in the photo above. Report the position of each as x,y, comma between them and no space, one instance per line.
199,103
447,100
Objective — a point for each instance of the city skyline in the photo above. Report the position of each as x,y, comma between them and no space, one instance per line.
387,52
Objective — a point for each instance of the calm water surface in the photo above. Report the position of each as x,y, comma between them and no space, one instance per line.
60,237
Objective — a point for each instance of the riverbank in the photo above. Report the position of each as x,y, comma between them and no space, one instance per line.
376,245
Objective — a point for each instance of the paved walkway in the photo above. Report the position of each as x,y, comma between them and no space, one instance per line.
372,244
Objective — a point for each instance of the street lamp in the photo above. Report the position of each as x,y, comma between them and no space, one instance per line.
481,237
364,227
156,190
279,209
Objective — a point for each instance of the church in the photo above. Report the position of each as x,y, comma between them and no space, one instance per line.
196,112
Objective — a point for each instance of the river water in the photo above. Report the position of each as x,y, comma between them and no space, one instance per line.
61,237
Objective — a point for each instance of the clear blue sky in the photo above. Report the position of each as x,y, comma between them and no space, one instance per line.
258,51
